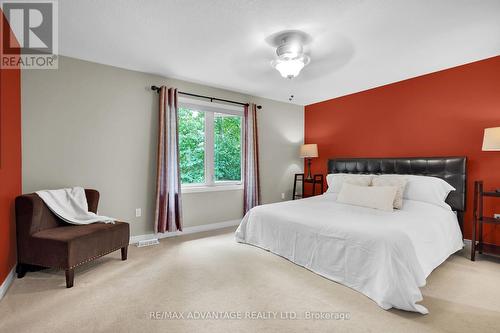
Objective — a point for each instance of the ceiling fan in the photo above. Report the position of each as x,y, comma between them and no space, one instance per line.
291,58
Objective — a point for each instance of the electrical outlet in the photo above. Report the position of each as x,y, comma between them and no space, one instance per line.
138,212
282,196
497,216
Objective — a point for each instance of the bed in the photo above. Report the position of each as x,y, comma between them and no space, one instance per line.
386,256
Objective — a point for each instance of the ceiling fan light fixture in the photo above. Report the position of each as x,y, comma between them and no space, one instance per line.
291,58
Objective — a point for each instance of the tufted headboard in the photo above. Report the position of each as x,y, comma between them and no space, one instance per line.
451,169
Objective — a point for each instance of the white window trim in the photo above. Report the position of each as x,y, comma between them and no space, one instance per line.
209,151
191,188
210,108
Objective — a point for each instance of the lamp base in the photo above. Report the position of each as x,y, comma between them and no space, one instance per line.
309,176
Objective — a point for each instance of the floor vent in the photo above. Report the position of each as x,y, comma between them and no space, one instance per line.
148,242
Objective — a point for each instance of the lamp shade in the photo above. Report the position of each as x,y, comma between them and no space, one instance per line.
309,150
491,140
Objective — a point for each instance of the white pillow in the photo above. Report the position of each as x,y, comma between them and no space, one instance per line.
335,180
378,197
399,182
428,189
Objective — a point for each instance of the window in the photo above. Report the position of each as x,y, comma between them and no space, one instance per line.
210,144
227,147
192,146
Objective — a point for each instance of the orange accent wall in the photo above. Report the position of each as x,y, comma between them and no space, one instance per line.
10,163
439,114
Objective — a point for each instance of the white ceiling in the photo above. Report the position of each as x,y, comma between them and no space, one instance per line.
356,44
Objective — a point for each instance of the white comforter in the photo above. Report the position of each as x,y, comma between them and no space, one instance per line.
385,255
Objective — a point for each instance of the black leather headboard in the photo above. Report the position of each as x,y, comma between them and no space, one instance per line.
451,169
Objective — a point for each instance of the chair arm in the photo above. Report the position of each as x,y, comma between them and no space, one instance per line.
92,199
29,212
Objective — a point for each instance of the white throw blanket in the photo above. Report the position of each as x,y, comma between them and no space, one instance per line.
70,205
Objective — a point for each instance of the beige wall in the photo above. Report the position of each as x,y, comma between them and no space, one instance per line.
94,125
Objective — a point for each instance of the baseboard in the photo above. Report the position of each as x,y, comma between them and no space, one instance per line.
187,230
7,282
467,242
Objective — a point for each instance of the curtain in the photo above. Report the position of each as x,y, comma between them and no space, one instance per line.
168,214
251,189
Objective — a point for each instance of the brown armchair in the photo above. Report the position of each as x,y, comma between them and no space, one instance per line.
45,240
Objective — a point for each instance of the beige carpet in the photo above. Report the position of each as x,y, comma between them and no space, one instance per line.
210,272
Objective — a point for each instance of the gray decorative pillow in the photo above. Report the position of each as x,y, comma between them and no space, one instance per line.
398,181
378,197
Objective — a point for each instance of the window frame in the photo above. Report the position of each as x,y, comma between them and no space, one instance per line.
210,109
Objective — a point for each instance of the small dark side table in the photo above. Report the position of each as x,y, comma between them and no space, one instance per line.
478,218
316,180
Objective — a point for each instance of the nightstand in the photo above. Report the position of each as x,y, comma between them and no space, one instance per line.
316,180
478,218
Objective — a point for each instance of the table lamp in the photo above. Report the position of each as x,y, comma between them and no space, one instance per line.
309,151
491,141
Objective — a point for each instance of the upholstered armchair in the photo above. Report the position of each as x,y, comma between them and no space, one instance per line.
45,240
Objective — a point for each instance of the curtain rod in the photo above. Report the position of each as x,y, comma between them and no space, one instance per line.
157,89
